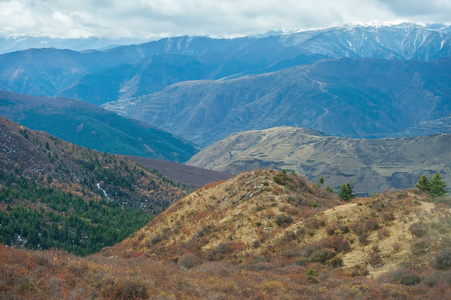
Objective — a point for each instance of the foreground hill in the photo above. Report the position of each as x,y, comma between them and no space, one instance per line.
233,214
57,194
259,235
90,126
363,98
268,213
370,165
275,223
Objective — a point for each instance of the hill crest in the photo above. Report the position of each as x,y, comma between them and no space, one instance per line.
252,220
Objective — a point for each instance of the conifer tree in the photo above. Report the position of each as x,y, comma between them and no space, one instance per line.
345,193
435,187
438,186
424,184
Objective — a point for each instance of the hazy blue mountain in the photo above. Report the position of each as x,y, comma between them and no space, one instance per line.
51,72
146,76
345,97
219,58
91,126
44,72
12,44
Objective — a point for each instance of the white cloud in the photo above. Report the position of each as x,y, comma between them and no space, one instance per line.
154,18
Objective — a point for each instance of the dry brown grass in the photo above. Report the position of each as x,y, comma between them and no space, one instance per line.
224,241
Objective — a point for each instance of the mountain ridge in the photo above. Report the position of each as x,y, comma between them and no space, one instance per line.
382,98
370,165
57,194
229,56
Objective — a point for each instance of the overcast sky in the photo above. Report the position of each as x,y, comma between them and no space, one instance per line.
147,19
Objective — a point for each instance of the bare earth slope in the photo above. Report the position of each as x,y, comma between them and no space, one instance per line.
370,165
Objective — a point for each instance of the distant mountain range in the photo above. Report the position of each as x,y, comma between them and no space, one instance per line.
354,81
50,72
364,97
370,165
19,43
91,126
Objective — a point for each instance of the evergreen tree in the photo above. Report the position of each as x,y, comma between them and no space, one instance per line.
33,240
345,193
435,187
424,184
438,186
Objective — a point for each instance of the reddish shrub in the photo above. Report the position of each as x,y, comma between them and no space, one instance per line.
363,238
322,255
375,259
189,260
388,217
372,224
358,228
335,262
124,289
418,229
443,259
383,233
342,245
405,276
330,229
283,220
357,270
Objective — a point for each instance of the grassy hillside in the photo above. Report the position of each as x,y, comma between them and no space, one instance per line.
260,235
269,213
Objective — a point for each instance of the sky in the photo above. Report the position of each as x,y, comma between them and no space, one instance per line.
147,19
